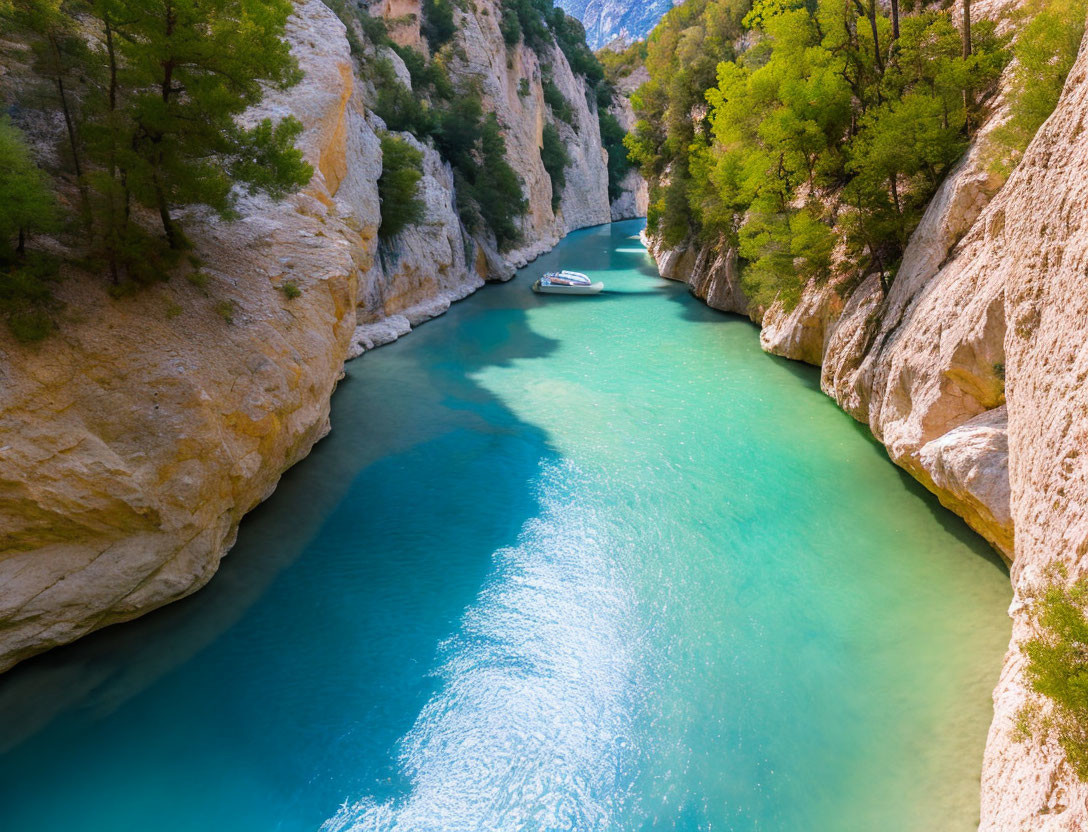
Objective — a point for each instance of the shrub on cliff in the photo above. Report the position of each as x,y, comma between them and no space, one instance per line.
398,186
554,156
489,191
437,25
556,101
612,140
1057,667
26,208
1045,51
149,93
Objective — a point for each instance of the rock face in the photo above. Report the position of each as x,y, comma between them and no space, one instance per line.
500,72
610,20
991,288
634,199
134,442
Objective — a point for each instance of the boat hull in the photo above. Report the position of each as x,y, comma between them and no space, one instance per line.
591,289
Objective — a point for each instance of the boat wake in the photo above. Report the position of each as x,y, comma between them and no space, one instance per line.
531,726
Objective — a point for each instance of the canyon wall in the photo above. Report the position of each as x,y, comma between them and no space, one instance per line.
971,373
133,441
634,199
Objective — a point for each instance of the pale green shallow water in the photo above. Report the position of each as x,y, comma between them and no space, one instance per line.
564,563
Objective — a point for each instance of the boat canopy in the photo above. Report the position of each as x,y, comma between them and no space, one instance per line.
566,278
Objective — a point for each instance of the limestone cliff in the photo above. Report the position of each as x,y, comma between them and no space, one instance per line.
133,442
634,199
438,262
971,374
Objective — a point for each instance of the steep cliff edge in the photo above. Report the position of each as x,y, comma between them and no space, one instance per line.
133,442
971,373
634,199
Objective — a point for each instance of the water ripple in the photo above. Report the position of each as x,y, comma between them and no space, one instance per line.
531,728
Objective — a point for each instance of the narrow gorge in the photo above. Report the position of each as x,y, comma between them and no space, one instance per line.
584,564
135,443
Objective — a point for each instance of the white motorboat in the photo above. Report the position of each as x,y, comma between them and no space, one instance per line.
567,283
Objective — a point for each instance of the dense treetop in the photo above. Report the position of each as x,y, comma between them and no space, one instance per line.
793,130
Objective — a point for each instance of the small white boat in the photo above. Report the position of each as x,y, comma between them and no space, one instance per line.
567,283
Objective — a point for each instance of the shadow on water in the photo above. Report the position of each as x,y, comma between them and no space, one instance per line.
950,522
330,527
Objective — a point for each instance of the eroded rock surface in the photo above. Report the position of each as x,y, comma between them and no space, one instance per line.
135,440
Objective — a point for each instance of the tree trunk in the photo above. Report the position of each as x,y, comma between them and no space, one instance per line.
876,37
895,20
117,230
20,249
966,28
69,125
168,227
967,54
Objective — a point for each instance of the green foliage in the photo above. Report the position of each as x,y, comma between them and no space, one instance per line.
150,92
266,159
428,77
570,37
27,208
612,136
784,250
26,299
619,65
400,108
225,310
1057,666
823,108
437,25
559,105
682,56
523,87
554,156
494,186
1045,51
510,26
541,24
398,186
291,290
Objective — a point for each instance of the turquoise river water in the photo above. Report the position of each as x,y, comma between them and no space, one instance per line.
563,564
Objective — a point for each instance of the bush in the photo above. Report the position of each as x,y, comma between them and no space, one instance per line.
1058,666
488,189
403,112
1045,51
398,186
25,297
437,26
510,27
555,100
554,156
612,140
225,310
27,206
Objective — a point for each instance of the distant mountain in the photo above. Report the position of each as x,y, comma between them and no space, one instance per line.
606,20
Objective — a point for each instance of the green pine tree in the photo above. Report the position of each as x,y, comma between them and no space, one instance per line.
189,68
